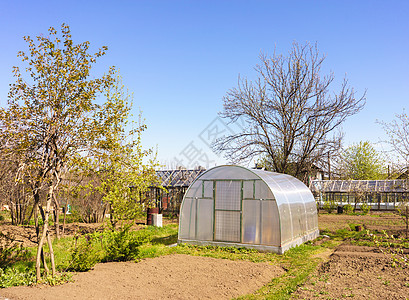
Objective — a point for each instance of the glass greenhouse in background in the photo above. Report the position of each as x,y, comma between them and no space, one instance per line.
377,194
236,206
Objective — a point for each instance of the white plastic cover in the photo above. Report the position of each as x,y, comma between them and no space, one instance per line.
237,205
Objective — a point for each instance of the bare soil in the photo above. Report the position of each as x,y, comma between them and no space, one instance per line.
357,272
167,277
390,222
26,235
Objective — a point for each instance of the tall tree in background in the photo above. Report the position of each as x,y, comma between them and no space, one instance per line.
362,162
398,133
50,115
292,116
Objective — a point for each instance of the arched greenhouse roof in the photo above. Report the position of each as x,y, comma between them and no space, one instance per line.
248,207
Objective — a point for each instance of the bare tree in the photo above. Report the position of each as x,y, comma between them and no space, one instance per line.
82,192
398,133
16,193
292,117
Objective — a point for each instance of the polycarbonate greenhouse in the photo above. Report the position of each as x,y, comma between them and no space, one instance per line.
236,206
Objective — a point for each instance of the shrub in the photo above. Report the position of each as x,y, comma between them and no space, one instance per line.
329,205
123,245
83,254
365,208
348,209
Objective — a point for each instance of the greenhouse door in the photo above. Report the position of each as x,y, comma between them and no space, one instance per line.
227,212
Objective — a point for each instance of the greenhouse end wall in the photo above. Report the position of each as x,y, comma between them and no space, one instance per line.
235,206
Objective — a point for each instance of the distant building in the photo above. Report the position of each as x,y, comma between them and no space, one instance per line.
175,184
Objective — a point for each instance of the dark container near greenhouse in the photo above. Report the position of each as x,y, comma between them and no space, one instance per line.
150,212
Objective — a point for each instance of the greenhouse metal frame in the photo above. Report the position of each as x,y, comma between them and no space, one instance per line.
236,206
378,194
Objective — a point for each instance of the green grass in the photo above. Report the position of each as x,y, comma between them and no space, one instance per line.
299,262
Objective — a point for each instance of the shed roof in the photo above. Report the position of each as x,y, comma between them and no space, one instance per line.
178,178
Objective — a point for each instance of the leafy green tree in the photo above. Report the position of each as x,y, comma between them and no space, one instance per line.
362,162
50,115
124,170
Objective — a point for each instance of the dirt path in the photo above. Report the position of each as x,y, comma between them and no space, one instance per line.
167,277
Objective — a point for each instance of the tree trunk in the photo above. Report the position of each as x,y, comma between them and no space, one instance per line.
42,239
57,216
44,235
356,202
12,214
407,220
50,246
65,214
103,213
47,271
31,214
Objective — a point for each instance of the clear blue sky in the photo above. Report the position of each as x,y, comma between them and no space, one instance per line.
179,58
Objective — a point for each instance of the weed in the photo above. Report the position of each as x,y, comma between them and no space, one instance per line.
353,226
10,251
386,282
394,248
14,277
347,296
57,280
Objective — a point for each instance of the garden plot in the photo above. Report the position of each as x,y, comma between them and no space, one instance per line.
167,277
357,272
